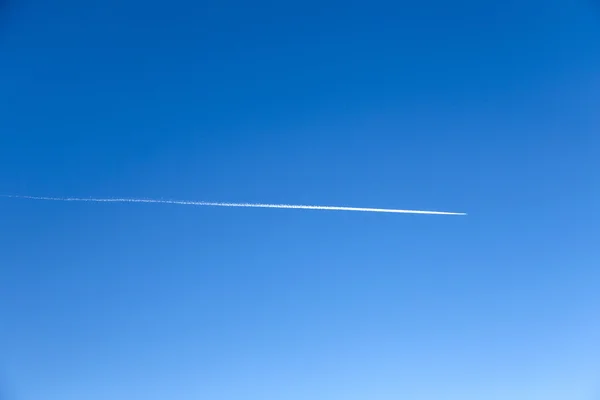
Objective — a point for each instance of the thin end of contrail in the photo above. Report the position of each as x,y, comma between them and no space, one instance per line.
251,205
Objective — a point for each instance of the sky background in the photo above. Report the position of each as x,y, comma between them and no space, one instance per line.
489,108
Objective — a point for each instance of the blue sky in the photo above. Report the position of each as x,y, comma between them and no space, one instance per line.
473,106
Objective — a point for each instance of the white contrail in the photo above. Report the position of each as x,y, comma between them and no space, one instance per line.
254,205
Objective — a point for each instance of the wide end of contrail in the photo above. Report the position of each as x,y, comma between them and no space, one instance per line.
249,205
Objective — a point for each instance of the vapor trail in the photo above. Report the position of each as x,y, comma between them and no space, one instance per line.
252,205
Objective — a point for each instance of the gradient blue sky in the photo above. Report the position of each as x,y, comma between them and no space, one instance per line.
485,107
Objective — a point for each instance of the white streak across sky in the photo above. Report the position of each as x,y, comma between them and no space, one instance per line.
251,205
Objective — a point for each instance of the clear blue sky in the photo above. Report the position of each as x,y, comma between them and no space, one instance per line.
490,108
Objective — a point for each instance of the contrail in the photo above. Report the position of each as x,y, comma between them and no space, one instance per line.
252,205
